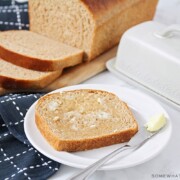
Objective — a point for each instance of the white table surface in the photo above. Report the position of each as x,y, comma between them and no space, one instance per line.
167,164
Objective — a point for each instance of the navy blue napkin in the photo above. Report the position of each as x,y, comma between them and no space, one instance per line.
13,15
18,159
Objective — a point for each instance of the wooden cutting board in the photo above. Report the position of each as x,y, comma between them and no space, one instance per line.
76,74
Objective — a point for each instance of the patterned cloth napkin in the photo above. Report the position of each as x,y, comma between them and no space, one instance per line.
13,15
18,159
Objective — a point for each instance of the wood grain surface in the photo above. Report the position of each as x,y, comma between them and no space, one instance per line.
74,75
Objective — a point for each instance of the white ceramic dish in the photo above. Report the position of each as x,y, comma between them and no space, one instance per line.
149,54
142,106
111,67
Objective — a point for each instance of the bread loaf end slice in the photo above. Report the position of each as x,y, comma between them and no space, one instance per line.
84,119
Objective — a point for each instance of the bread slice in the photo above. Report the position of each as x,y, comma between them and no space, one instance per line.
15,77
33,51
84,119
92,25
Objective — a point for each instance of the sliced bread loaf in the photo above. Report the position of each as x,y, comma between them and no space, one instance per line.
84,119
92,25
33,51
16,77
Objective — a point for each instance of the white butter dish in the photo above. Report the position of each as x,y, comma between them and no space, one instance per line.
149,56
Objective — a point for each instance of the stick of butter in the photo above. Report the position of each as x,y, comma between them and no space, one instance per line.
156,122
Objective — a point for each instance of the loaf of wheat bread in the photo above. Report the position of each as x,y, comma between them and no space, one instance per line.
34,51
92,25
84,119
16,77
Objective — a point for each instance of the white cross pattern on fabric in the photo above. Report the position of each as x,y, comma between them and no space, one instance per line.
17,13
14,165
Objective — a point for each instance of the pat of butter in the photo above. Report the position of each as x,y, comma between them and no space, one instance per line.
156,122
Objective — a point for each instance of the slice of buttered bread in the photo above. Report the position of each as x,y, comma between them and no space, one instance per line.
34,51
84,119
16,77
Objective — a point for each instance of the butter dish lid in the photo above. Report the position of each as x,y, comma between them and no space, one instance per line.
149,56
158,36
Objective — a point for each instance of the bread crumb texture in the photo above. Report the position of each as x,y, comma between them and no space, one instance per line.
86,114
34,45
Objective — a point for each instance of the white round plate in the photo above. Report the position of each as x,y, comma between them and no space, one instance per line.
143,108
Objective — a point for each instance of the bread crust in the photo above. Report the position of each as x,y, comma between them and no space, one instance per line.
35,79
103,10
12,83
39,64
82,144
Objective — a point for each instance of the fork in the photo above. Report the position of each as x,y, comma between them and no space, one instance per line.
136,142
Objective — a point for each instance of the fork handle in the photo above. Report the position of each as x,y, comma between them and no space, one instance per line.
84,174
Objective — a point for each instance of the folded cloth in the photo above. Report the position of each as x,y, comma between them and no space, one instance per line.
18,159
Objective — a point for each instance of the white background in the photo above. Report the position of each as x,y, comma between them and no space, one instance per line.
168,12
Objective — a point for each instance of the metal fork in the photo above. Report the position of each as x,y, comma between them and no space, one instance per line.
136,142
